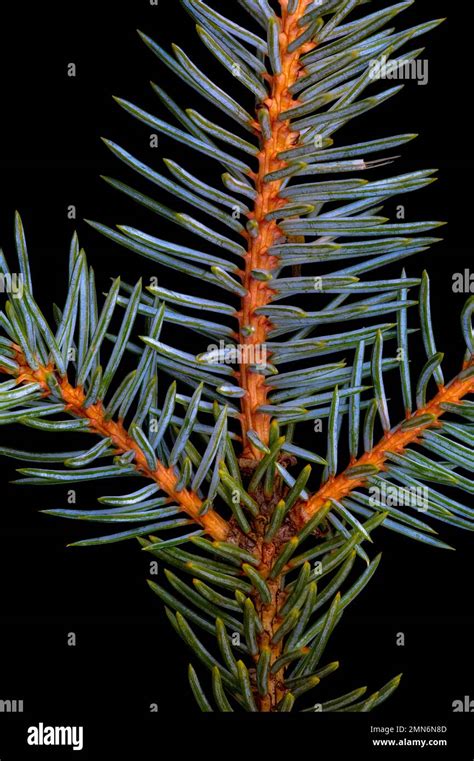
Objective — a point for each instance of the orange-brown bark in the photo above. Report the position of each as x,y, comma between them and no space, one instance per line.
74,399
258,256
396,442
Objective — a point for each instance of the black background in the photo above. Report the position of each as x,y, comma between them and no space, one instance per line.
126,655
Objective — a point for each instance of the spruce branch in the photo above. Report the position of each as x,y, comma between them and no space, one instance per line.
276,137
73,399
275,562
395,441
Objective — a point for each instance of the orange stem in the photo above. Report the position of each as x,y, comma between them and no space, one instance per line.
74,399
254,328
395,441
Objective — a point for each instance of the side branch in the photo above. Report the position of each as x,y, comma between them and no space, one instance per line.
394,441
74,399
